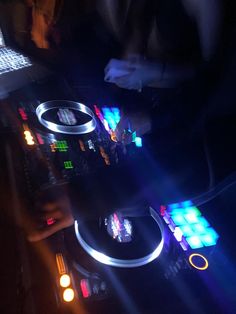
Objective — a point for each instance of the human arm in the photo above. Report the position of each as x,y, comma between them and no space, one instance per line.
208,17
139,73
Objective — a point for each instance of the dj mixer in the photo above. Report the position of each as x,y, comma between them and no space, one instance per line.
141,248
55,157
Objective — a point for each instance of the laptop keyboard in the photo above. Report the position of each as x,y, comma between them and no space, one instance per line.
11,60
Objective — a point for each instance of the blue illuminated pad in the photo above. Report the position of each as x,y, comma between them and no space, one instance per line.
196,230
110,119
112,116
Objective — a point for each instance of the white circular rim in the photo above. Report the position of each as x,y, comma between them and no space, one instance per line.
131,263
56,104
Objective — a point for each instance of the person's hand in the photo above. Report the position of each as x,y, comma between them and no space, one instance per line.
117,68
53,216
133,73
138,122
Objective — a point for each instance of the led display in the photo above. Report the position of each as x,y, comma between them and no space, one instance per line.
66,116
61,146
68,164
119,228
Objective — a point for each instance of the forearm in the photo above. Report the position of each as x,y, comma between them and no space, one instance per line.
169,75
208,18
139,23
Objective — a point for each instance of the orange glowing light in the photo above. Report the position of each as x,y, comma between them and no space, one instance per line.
113,136
60,264
29,138
204,267
65,281
68,295
53,148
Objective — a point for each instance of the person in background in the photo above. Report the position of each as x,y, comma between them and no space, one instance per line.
165,41
44,17
168,45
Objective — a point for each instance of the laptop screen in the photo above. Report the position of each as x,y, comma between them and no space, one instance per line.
2,43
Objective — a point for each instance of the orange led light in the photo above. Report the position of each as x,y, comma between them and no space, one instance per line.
68,295
113,136
60,264
29,138
65,281
53,147
196,266
82,147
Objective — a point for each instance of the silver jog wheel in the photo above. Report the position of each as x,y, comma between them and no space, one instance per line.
66,129
124,263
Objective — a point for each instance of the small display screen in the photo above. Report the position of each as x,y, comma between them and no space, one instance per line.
119,228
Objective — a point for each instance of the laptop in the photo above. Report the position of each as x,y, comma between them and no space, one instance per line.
16,69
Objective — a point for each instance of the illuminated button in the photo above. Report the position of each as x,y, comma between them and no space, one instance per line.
53,148
23,114
183,245
186,204
193,210
60,264
191,218
65,281
68,164
134,136
163,210
178,234
202,263
29,138
138,142
68,295
176,211
61,146
210,238
115,110
113,136
187,230
194,242
81,144
203,221
105,110
178,219
198,228
106,126
40,139
50,221
175,205
85,288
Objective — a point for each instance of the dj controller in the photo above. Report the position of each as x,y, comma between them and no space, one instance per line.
128,251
